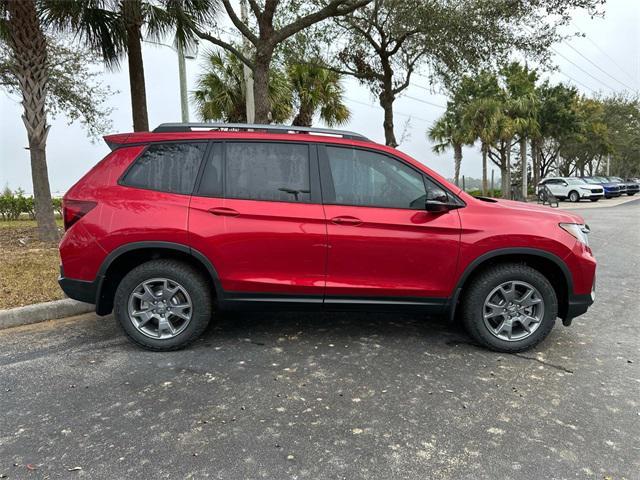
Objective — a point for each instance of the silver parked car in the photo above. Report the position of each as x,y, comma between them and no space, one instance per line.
572,188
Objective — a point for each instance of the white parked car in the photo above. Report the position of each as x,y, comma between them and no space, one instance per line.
572,188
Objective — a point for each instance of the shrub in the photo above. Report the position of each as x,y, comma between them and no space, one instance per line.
13,204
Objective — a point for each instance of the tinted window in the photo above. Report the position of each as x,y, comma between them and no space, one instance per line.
268,171
211,183
167,167
365,178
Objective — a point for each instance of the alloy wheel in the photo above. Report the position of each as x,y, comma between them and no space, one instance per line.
513,311
160,308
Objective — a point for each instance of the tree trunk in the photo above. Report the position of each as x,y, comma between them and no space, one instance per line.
524,165
484,169
29,55
304,117
132,14
261,85
386,102
535,158
457,161
507,167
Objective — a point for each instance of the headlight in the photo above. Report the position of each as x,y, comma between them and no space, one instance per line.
577,230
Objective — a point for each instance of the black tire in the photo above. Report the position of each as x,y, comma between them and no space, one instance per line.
482,285
574,196
197,286
594,199
632,194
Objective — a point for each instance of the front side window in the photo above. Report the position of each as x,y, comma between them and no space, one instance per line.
167,167
369,179
268,171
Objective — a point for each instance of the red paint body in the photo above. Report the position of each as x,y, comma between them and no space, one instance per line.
301,249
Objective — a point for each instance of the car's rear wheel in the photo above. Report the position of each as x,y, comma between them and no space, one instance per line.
509,308
574,196
163,304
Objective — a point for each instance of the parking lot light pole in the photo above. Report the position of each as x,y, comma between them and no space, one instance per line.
183,54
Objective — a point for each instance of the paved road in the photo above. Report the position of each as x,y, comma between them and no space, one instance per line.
335,396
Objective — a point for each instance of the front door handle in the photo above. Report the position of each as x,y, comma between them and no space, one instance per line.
224,212
346,220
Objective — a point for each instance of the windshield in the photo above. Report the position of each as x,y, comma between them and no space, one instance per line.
574,181
601,179
591,180
615,179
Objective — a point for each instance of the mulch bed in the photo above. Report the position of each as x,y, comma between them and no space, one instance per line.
29,268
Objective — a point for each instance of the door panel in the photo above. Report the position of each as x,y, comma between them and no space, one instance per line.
263,247
392,252
382,241
264,244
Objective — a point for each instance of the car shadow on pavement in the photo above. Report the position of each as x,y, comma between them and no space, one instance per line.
268,327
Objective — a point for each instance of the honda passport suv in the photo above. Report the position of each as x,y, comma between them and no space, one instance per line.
189,219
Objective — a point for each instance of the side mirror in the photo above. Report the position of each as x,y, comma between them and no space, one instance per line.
436,206
565,184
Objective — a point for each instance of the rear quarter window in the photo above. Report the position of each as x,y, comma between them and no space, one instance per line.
167,167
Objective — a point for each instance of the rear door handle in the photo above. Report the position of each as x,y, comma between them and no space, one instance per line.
346,220
224,212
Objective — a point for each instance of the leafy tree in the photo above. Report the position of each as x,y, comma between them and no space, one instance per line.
622,117
590,143
317,89
558,119
276,21
220,93
387,41
75,89
115,29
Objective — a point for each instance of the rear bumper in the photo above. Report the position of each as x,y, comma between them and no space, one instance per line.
81,290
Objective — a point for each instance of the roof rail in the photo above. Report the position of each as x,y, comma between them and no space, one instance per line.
237,127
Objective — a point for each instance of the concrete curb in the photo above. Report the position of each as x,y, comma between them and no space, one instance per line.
41,312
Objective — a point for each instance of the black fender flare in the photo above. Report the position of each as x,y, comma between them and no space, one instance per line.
157,245
473,266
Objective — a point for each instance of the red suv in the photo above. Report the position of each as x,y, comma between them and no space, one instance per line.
192,218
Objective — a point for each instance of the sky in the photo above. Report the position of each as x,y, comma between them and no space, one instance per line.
606,60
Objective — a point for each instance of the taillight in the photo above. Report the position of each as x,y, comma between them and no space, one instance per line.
74,210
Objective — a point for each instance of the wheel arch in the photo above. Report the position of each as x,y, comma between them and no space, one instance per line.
550,265
126,257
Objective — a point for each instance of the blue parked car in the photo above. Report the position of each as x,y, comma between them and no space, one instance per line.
611,189
630,188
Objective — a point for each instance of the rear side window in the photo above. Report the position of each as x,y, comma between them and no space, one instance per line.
369,179
167,167
267,171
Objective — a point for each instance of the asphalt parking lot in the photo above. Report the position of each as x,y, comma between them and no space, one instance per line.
335,396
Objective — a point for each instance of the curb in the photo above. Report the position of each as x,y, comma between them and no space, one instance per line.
41,312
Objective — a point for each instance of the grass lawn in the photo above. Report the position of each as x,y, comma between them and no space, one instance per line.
29,269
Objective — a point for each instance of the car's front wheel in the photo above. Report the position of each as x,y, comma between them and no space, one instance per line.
163,304
594,199
509,307
574,196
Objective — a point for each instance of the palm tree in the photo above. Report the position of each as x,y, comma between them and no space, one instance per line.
522,106
21,29
220,92
449,132
316,88
115,29
484,118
